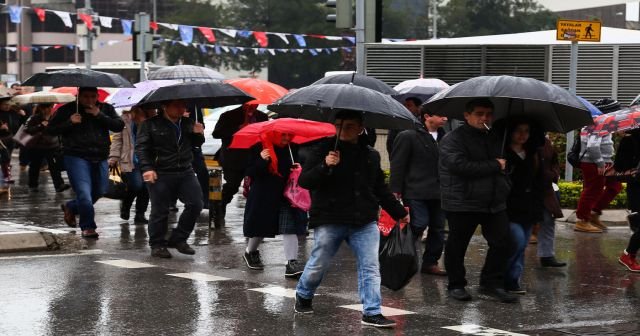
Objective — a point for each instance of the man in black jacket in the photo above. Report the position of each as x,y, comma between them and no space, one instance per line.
347,186
414,178
164,147
474,190
84,128
413,105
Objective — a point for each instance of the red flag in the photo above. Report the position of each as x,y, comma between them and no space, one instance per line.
262,39
40,12
25,49
208,34
153,25
86,18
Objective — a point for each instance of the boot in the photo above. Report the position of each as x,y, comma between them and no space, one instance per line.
629,261
595,221
586,226
6,172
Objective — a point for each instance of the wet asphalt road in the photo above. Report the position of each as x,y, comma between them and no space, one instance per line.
79,294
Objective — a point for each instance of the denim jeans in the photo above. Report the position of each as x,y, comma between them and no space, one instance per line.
547,235
163,193
363,241
520,235
428,214
89,180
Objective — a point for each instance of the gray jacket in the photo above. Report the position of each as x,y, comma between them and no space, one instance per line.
596,149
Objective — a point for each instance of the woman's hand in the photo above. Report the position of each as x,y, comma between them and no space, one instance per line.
295,165
265,155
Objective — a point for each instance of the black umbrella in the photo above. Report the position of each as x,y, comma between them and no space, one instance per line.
321,102
358,80
187,73
198,94
77,78
552,107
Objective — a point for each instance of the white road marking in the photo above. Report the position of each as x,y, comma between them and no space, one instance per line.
80,253
198,276
125,263
33,228
386,311
279,291
476,330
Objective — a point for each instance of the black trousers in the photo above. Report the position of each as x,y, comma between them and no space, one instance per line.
495,229
232,178
37,156
633,202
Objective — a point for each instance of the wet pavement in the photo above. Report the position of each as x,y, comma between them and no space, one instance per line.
116,288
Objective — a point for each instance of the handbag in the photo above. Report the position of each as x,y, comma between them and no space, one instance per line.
623,176
297,196
117,188
22,137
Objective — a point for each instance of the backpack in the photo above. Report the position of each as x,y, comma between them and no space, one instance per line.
573,156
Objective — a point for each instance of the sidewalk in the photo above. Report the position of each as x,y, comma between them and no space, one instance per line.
615,217
16,237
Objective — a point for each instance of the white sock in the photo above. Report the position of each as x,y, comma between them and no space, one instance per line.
253,244
290,242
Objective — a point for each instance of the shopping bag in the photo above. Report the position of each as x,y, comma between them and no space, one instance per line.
297,196
22,137
398,258
386,223
116,189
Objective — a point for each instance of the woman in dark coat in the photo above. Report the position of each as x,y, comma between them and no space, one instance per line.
11,117
267,212
628,157
525,203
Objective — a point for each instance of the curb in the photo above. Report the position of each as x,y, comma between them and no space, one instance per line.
22,241
26,238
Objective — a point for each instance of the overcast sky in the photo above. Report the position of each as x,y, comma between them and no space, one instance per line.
561,5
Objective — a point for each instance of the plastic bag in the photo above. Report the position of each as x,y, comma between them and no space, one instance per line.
297,196
116,188
386,223
398,258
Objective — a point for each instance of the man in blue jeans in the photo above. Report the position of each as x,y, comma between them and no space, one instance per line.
164,149
84,127
347,187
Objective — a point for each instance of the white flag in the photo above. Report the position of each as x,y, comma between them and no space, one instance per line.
229,32
169,25
283,37
105,21
65,17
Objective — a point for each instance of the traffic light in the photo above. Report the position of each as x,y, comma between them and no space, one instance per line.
344,13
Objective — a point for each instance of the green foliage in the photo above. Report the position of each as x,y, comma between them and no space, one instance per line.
570,194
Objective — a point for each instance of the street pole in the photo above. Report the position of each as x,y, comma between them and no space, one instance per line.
573,77
360,34
155,19
435,19
89,37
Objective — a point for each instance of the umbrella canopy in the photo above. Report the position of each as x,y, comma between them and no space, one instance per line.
552,107
622,120
321,102
186,73
43,97
303,130
132,96
264,91
422,88
102,93
200,94
592,108
77,78
358,80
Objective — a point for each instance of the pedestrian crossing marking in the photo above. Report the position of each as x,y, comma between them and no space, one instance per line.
198,276
279,291
386,311
476,330
79,253
125,263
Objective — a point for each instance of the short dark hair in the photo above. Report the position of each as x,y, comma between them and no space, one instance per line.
478,102
415,100
350,115
87,88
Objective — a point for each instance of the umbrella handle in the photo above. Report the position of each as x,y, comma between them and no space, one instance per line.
291,154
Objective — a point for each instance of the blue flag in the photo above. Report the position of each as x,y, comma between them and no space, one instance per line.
15,13
186,33
300,40
244,33
126,26
203,49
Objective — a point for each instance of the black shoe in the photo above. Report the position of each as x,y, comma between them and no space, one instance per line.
459,294
378,321
517,290
63,188
183,248
124,211
293,269
160,252
253,260
498,294
551,262
303,306
140,219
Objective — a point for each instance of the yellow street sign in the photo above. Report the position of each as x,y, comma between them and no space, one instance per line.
572,30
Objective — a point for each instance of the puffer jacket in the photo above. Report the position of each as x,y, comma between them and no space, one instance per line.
90,138
470,175
351,192
159,148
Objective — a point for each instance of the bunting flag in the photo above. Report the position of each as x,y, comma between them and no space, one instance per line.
208,34
65,17
244,33
169,25
229,32
186,33
262,38
106,21
126,26
15,14
40,13
153,25
87,19
300,39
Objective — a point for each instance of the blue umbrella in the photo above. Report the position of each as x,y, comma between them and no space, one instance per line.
592,108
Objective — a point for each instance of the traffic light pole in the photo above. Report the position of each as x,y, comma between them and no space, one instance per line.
360,35
573,78
89,37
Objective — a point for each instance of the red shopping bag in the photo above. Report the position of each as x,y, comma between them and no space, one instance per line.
386,222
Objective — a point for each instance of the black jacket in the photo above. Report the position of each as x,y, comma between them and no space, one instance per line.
40,140
351,192
628,153
159,148
470,176
228,124
526,199
414,165
90,138
13,121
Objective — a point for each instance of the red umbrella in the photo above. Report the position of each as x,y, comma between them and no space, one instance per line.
622,120
102,94
265,92
303,131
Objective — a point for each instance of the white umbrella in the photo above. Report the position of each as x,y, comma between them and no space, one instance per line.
422,88
43,97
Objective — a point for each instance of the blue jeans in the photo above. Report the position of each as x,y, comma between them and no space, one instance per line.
89,180
520,235
363,241
428,214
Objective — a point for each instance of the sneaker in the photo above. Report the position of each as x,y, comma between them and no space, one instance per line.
433,270
69,217
253,260
183,248
293,269
303,306
90,233
63,188
378,321
459,294
140,219
551,262
595,221
586,226
498,294
629,261
160,252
